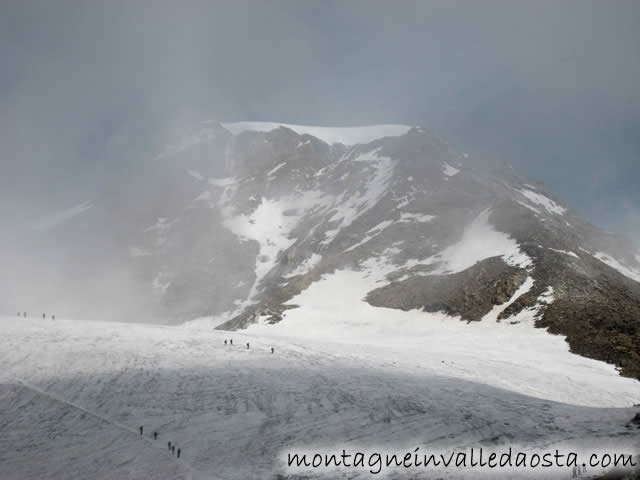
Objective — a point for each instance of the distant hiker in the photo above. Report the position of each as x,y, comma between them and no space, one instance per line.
231,341
155,435
173,449
272,349
225,341
44,315
247,345
179,453
169,445
141,429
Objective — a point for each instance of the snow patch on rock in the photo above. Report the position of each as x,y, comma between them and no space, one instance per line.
371,233
349,208
416,217
572,254
222,182
161,283
528,316
546,202
495,312
161,226
306,266
449,171
51,221
270,227
479,242
195,174
276,168
204,196
631,273
533,209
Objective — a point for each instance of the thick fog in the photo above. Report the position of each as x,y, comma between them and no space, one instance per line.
88,90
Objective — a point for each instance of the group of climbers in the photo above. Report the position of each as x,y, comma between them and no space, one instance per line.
230,342
44,315
171,446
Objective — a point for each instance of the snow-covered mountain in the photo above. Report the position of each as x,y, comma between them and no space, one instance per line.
253,224
383,291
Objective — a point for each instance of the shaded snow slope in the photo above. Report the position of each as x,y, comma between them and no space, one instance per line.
72,395
47,437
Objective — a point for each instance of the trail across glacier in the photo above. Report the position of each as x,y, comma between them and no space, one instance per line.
86,386
192,474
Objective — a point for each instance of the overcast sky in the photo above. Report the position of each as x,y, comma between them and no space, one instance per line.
551,87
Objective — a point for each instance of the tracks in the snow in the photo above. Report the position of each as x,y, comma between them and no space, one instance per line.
193,473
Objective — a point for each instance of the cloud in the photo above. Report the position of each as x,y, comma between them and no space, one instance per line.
89,88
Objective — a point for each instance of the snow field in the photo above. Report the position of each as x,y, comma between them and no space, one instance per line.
236,411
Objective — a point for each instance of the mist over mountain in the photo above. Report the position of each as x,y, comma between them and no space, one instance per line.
86,89
437,252
229,223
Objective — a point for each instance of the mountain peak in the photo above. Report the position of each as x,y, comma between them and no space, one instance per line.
235,222
330,135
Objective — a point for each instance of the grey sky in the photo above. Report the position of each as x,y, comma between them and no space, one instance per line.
551,87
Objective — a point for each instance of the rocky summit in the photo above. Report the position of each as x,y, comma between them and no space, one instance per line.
231,222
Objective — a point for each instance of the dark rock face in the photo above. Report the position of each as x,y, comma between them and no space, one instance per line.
235,226
604,325
596,307
470,294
